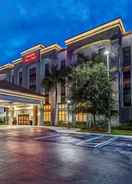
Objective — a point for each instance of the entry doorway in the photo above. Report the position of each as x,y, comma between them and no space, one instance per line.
23,119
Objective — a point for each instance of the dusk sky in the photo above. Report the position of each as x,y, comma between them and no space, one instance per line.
25,23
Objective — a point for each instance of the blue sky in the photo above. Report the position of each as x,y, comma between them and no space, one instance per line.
25,23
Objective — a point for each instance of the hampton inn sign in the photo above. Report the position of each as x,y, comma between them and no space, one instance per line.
31,57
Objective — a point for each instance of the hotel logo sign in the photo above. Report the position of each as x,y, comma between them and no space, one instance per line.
31,57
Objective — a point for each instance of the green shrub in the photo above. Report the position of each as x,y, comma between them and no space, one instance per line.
62,124
101,124
47,123
2,122
81,125
125,126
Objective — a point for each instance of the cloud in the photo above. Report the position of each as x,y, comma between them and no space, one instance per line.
25,23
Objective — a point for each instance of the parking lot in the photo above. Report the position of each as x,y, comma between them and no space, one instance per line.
44,156
95,141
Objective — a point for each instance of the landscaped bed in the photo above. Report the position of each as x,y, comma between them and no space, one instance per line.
121,132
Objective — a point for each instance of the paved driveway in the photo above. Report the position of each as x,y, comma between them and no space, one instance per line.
42,156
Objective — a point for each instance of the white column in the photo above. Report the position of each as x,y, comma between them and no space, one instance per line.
11,115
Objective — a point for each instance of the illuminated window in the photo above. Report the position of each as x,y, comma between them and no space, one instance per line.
47,113
62,114
81,117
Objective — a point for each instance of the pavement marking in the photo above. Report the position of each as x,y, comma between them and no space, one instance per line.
100,145
46,137
88,140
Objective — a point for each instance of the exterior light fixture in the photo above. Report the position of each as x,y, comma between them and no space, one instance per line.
106,52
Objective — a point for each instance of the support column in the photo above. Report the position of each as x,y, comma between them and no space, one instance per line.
11,115
35,115
41,114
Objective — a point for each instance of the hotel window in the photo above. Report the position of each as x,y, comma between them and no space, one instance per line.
32,78
126,56
127,88
81,117
13,79
63,92
62,112
20,78
46,70
47,113
63,64
101,51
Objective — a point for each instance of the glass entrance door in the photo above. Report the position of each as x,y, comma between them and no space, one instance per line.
23,119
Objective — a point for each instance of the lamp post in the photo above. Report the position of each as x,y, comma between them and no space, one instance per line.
107,54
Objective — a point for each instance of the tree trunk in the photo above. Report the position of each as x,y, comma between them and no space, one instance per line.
55,109
87,123
109,125
94,119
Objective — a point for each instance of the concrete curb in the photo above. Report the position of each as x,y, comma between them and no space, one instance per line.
62,130
76,131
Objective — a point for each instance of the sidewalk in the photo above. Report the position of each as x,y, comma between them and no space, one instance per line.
62,129
77,131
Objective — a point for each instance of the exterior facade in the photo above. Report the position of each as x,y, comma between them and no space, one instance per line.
35,64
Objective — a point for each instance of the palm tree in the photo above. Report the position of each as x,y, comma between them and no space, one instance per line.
50,83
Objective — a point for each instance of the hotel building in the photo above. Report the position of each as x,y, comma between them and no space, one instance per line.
23,98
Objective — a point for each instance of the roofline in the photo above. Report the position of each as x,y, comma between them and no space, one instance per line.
21,94
51,48
97,30
16,61
42,51
37,47
6,66
127,33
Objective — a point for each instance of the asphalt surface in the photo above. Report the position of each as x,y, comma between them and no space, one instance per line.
42,156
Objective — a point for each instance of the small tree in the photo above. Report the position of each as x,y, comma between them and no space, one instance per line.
91,85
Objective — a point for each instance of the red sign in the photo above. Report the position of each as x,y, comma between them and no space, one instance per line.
31,57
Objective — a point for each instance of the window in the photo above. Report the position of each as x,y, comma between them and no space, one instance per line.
62,64
127,97
13,79
46,70
47,112
81,117
20,78
101,51
62,114
127,88
63,94
126,56
32,78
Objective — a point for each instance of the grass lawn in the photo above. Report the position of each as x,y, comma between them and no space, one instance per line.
114,131
121,132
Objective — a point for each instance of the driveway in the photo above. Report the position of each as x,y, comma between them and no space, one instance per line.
43,156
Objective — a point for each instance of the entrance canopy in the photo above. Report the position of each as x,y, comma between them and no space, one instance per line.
10,93
19,106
